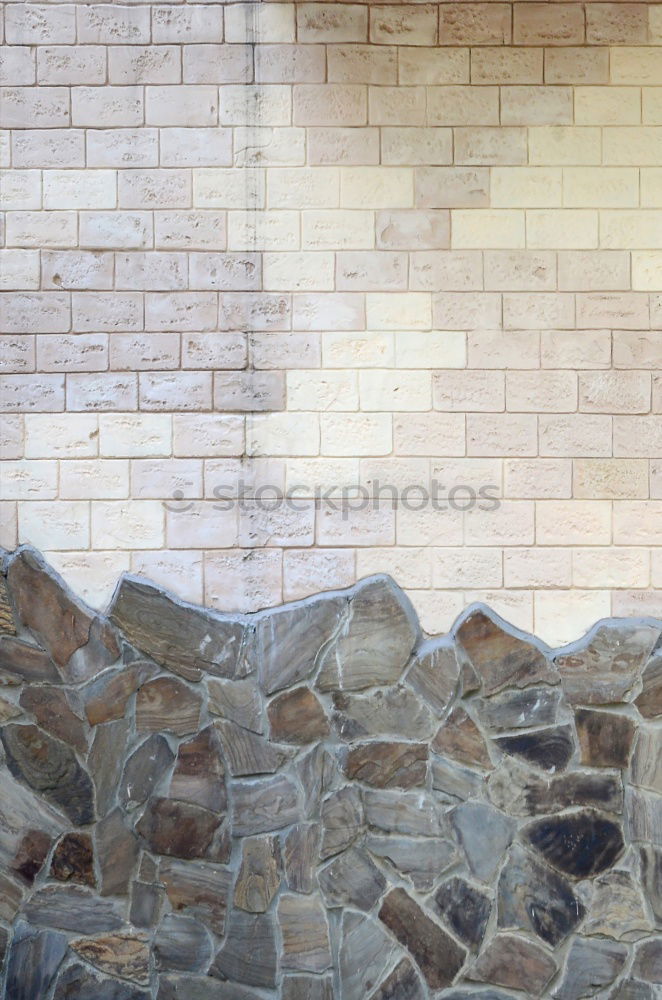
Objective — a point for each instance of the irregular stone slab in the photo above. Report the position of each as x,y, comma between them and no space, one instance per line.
648,961
422,861
342,821
105,761
435,673
454,780
51,768
352,879
144,770
632,989
117,853
42,604
649,702
465,910
34,958
289,640
646,767
414,814
246,753
402,984
533,898
499,657
248,954
167,705
201,988
8,711
297,717
385,764
202,888
123,955
397,712
435,952
605,738
30,856
461,739
11,897
604,668
80,982
178,829
580,844
651,877
617,908
106,697
20,812
473,995
307,988
521,792
199,775
592,964
258,880
514,963
237,701
365,955
643,816
182,637
73,859
72,908
484,834
146,903
30,663
300,851
7,624
52,710
264,805
182,943
305,933
317,772
536,706
549,749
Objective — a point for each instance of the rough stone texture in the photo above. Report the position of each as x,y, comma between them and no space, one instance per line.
298,806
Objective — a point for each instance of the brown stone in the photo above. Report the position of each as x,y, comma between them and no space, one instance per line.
259,876
455,780
580,844
31,854
317,772
26,661
605,667
73,859
352,879
107,696
82,982
649,702
53,711
289,640
105,761
535,899
182,943
514,963
236,701
465,909
305,933
651,876
248,954
202,888
7,624
388,764
124,955
435,952
617,908
199,776
501,658
117,854
342,819
605,738
297,717
397,711
460,738
167,705
247,753
646,766
264,805
435,673
402,984
144,770
410,813
72,908
301,847
23,811
8,711
179,829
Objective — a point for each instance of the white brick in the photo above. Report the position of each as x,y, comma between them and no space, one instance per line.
92,479
65,435
120,524
89,189
135,435
59,524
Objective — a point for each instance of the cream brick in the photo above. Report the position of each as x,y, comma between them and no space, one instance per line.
152,271
64,435
520,270
606,187
266,104
538,310
410,565
90,189
305,187
140,351
536,105
611,567
258,22
68,65
475,24
334,390
35,312
616,24
511,524
437,609
17,66
274,351
181,311
29,480
615,392
107,311
489,229
12,436
194,23
610,478
466,567
336,230
207,435
257,230
536,568
640,349
18,352
144,64
457,311
502,434
396,105
490,146
359,349
135,435
578,609
433,434
553,229
433,66
80,352
461,105
371,271
116,230
646,270
19,269
107,107
607,106
330,104
94,479
577,65
473,391
175,390
637,436
76,269
396,311
395,391
92,575
343,145
148,188
357,64
354,434
526,187
225,271
233,582
626,310
541,392
577,435
428,526
651,186
298,271
413,146
651,105
107,24
636,65
327,22
20,189
155,479
209,63
102,391
214,350
323,311
403,25
637,522
599,270
304,568
573,522
37,24
121,524
285,64
506,65
283,434
565,145
430,349
62,524
449,270
187,105
538,478
636,230
503,349
199,230
178,571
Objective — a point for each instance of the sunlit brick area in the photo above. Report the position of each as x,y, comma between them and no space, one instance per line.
320,244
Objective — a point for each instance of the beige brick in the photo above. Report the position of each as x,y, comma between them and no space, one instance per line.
259,231
651,187
121,524
575,435
141,351
144,64
265,147
506,65
446,270
503,434
358,349
548,24
328,22
433,434
35,312
178,571
214,350
122,147
332,390
359,64
395,391
324,310
399,310
614,567
76,269
615,392
19,269
416,145
26,107
62,524
466,567
436,609
573,522
430,349
458,311
187,105
64,435
637,522
298,271
606,187
91,189
376,187
565,145
224,271
577,65
626,310
343,145
73,353
194,23
537,568
175,390
268,104
647,270
412,230
607,105
102,391
371,271
595,270
616,24
651,105
152,271
38,24
107,311
520,270
536,105
526,187
473,391
610,478
511,524
30,393
107,107
207,435
489,229
289,64
578,608
428,526
636,65
273,351
538,478
330,104
541,392
209,63
115,230
631,229
303,187
232,582
565,349
490,146
403,25
259,22
282,434
216,187
460,105
303,569
640,349
67,65
396,106
156,479
410,565
571,229
48,148
106,24
12,436
433,66
356,434
29,480
94,479
503,349
135,435
474,24
337,230
356,527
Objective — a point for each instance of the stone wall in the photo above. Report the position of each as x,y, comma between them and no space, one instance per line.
320,802
329,243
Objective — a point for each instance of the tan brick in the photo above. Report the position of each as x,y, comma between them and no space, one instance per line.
636,65
460,105
607,106
329,22
356,64
548,24
490,146
625,310
540,392
474,24
520,270
594,270
503,434
536,106
330,104
538,310
575,435
416,145
651,186
577,65
396,106
432,66
616,23
538,478
526,187
651,105
564,145
573,522
473,391
506,65
503,349
610,478
403,25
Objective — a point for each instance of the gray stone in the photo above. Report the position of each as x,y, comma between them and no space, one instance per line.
237,701
178,829
146,902
247,753
117,854
592,964
80,982
500,657
198,887
34,958
21,810
402,984
166,704
648,961
199,776
435,673
248,954
105,761
396,712
605,666
202,988
258,879
342,821
11,897
264,805
649,701
485,835
460,739
352,879
515,789
301,847
520,709
436,953
386,764
290,640
465,910
305,933
27,662
182,943
422,861
454,780
514,963
617,908
532,898
122,955
651,877
643,816
415,814
57,712
365,955
632,989
307,988
72,908
317,773
144,770
646,766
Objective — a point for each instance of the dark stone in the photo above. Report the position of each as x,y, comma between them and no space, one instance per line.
289,640
297,717
143,771
437,955
203,889
366,954
122,955
402,984
648,961
307,988
485,835
305,933
105,761
534,899
182,944
397,711
258,879
300,851
34,958
199,776
248,954
536,706
649,702
31,854
51,768
185,639
246,753
146,903
460,738
264,805
72,908
106,697
604,668
167,705
178,829
117,854
651,877
352,879
500,658
388,764
52,710
30,663
79,982
521,792
435,673
342,820
73,859
465,909
549,749
11,897
514,963
592,964
236,701
605,739
580,844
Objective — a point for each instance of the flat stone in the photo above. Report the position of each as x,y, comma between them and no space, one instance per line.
454,780
651,877
643,816
22,811
42,604
182,943
30,663
201,888
117,854
34,958
580,844
305,933
264,805
499,657
167,705
72,908
258,880
646,767
32,852
8,711
461,739
648,961
143,771
435,952
415,814
465,909
484,834
514,963
51,768
649,701
435,673
123,955
307,988
146,901
249,953
617,908
106,697
402,984
297,717
422,860
246,753
11,897
384,764
592,964
398,712
366,953
73,859
352,879
7,623
237,701
532,898
520,709
178,829
101,650
604,668
317,772
80,982
289,640
201,988
199,775
549,749
52,709
515,789
605,738
301,846
632,989
105,761
182,637
342,821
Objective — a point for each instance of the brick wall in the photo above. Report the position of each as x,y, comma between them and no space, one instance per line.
327,243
